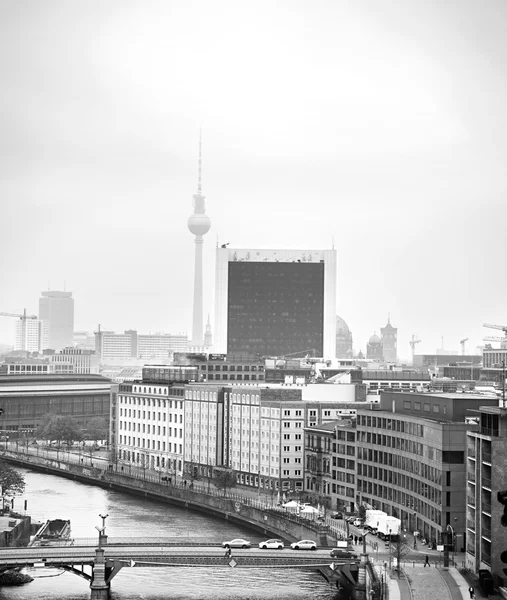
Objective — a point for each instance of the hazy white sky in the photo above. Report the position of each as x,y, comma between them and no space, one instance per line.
381,123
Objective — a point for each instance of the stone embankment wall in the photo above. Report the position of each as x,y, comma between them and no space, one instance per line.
241,509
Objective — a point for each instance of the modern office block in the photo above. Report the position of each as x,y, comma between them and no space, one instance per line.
275,302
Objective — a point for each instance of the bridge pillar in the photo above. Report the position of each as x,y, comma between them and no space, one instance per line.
99,587
361,580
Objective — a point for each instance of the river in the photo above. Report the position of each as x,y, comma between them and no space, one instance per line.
50,497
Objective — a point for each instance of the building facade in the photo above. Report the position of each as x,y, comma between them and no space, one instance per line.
82,361
486,537
494,357
330,464
275,302
26,400
57,308
149,419
411,458
32,335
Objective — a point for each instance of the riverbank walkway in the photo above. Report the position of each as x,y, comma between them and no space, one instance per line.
416,582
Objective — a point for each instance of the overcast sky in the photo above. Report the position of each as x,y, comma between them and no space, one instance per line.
381,123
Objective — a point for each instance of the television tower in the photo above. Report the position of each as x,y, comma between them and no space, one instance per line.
199,224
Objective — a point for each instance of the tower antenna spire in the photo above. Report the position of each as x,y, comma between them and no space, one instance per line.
199,189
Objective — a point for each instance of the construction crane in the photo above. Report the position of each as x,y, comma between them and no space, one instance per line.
500,327
413,343
23,317
463,342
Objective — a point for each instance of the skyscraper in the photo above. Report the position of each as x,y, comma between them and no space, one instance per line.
199,224
57,308
275,302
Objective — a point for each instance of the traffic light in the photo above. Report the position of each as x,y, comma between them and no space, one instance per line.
502,498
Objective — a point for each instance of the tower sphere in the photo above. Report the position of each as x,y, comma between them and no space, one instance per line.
199,224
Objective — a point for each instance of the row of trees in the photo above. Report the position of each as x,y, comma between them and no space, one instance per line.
65,429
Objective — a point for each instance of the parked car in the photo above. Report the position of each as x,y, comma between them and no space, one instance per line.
304,545
337,515
358,522
275,543
341,553
237,543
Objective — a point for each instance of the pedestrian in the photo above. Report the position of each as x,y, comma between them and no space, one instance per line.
185,483
471,591
355,539
427,561
228,553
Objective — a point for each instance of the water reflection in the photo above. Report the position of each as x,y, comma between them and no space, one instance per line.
52,497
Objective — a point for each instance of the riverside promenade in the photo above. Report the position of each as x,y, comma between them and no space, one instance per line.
415,582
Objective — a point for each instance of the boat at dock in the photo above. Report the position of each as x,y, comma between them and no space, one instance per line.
54,532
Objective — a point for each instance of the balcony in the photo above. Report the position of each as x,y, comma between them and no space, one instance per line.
471,500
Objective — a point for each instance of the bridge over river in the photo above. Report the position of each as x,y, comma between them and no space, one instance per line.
108,559
99,565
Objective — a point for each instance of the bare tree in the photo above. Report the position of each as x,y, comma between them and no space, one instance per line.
398,550
224,479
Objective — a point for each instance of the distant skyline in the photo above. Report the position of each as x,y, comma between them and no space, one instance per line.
378,124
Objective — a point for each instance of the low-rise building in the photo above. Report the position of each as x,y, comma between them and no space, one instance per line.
26,400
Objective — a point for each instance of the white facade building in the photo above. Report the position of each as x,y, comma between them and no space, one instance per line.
83,361
150,425
32,335
160,346
57,308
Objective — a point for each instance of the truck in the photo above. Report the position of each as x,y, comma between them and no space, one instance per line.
389,528
372,519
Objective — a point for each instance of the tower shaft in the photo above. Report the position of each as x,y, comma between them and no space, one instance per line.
197,317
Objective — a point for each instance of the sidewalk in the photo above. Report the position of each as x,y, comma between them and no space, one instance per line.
419,583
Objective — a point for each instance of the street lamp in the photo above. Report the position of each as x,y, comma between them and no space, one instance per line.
390,550
446,546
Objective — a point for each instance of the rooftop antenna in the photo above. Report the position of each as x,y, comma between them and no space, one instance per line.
332,242
200,162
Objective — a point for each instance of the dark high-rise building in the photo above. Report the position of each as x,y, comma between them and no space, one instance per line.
57,308
276,302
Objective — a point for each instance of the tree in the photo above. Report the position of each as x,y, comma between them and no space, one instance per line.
96,429
192,471
12,483
224,479
398,550
60,428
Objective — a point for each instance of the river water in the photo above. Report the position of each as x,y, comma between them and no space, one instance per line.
50,497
